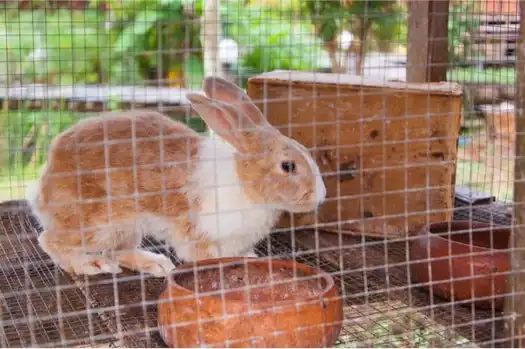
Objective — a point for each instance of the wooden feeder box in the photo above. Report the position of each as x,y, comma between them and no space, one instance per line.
501,121
387,150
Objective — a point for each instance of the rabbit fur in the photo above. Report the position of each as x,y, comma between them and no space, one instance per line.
112,179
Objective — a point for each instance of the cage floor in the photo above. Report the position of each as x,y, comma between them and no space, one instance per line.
41,306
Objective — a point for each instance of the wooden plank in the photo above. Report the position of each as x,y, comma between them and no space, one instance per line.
97,93
499,28
495,36
427,57
483,45
283,77
515,303
497,19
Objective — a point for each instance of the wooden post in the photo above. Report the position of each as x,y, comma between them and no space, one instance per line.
211,31
515,302
427,57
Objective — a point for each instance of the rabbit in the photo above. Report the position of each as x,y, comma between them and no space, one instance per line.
112,179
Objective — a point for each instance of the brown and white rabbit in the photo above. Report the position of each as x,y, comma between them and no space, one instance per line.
112,179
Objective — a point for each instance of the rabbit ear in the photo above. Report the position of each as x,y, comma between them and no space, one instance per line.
226,120
225,91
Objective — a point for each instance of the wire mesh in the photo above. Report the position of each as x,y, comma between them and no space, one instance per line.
65,61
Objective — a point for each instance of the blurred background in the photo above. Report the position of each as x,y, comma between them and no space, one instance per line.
160,45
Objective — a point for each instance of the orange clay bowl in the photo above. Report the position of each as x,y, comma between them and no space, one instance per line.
246,312
460,268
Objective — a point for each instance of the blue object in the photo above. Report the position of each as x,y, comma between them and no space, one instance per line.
462,140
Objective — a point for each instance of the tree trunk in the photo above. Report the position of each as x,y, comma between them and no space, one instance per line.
364,28
331,47
515,301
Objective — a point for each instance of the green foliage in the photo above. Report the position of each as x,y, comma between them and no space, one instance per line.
193,72
26,136
68,49
505,76
24,132
386,18
273,39
391,28
460,24
329,17
137,40
143,40
138,29
120,47
373,10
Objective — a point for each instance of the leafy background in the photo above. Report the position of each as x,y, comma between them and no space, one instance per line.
152,42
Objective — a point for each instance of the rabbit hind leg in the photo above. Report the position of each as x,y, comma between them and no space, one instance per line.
130,255
73,258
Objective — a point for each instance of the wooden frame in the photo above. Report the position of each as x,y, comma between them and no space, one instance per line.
515,300
427,57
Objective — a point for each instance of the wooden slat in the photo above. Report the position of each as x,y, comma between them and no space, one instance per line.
515,305
97,93
499,28
512,37
499,19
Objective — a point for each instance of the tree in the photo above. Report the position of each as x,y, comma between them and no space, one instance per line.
331,17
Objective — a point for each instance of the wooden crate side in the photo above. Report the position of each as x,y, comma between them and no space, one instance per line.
402,199
386,155
369,116
336,81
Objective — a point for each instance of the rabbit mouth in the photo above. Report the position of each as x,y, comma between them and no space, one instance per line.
303,204
302,198
307,199
300,204
303,208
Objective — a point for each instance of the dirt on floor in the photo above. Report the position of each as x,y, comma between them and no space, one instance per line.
486,164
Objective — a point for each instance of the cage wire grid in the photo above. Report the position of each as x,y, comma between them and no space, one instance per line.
44,306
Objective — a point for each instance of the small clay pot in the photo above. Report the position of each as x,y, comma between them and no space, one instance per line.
309,315
444,254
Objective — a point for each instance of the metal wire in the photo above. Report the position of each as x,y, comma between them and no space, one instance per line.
63,61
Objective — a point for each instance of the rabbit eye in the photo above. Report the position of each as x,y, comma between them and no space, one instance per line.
288,166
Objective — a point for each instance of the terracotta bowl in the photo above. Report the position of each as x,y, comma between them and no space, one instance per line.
246,312
460,268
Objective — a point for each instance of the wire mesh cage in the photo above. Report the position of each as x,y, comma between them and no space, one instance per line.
292,173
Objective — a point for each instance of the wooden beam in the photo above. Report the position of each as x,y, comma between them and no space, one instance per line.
417,36
427,40
438,41
211,32
515,301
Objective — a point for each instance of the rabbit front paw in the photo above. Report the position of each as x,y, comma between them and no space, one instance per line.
160,266
94,266
147,262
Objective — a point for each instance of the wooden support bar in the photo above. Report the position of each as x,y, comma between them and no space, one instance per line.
95,98
97,93
515,301
427,40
